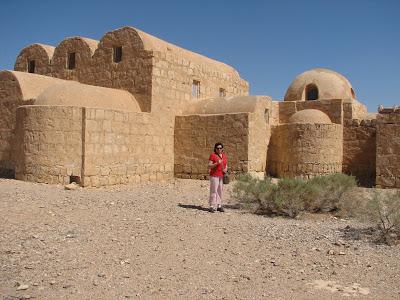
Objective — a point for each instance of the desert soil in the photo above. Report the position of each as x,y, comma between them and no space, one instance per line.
156,241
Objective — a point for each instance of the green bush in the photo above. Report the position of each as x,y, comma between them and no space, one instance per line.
252,191
291,196
327,191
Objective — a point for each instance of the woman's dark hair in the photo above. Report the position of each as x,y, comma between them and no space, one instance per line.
216,145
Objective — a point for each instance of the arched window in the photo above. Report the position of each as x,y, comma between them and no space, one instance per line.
311,92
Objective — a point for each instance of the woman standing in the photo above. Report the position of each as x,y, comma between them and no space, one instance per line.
218,164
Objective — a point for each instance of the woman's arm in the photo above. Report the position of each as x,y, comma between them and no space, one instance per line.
211,164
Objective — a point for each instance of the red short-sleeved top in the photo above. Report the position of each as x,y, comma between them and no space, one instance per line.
217,170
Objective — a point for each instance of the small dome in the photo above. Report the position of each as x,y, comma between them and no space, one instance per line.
310,116
72,93
319,84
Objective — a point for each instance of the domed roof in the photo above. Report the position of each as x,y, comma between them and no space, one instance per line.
72,93
310,116
329,85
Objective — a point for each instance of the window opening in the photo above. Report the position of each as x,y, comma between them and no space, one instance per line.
196,89
311,92
222,92
31,66
117,54
71,61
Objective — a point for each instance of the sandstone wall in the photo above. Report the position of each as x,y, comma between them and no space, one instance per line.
158,74
196,135
41,54
332,107
49,143
16,88
124,147
101,147
359,150
173,78
388,149
259,137
305,150
352,109
84,49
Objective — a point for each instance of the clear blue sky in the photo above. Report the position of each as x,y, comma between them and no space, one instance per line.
268,42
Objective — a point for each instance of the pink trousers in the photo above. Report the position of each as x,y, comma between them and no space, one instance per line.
216,189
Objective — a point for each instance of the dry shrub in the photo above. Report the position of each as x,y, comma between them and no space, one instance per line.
383,210
291,196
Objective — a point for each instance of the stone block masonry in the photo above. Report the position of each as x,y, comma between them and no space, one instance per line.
196,135
100,147
388,149
51,143
359,150
305,150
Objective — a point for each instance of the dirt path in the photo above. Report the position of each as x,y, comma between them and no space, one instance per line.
156,242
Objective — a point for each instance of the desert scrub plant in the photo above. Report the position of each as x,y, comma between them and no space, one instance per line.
326,191
251,191
382,210
291,196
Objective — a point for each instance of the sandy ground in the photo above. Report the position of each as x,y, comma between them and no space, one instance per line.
157,242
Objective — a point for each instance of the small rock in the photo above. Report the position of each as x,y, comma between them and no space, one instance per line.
342,253
22,287
71,187
52,282
331,252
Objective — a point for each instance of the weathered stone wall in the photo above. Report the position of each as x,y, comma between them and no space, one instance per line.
305,150
352,109
388,149
124,147
49,143
359,150
196,135
332,107
16,89
259,137
84,49
158,74
8,109
41,54
173,78
102,147
133,73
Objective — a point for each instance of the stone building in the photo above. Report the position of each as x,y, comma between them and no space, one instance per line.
132,108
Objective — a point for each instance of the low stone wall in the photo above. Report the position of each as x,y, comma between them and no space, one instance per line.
97,147
196,135
305,150
359,150
388,149
49,146
124,147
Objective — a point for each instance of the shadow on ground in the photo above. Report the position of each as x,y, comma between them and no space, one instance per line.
202,208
